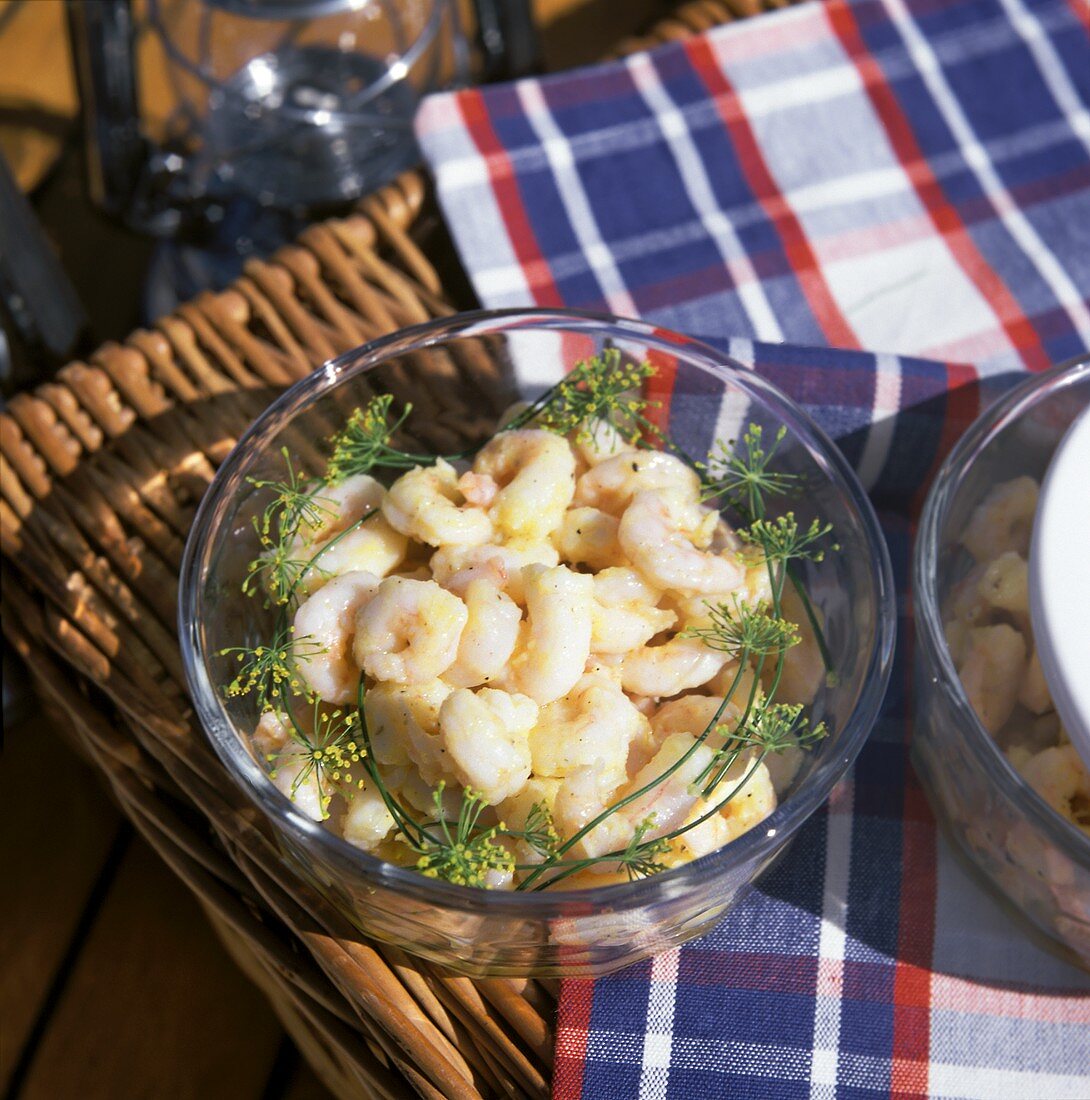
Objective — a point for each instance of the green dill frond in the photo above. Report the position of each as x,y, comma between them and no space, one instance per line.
602,390
330,752
641,858
742,629
363,444
742,478
540,831
276,574
269,671
782,541
774,727
465,855
295,504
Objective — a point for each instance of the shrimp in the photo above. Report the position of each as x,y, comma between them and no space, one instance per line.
612,484
752,798
804,670
557,635
1033,691
1003,520
337,507
662,670
478,489
1060,777
596,440
667,804
1005,583
992,672
373,545
272,739
593,725
589,537
515,812
659,532
486,735
624,614
367,822
308,797
454,567
489,638
325,626
403,724
693,714
426,504
409,632
535,470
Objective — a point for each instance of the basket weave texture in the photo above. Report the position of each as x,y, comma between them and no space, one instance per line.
101,471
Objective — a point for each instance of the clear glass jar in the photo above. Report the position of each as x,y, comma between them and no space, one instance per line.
300,102
460,373
1040,861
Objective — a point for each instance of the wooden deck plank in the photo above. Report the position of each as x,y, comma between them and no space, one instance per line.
153,1006
58,826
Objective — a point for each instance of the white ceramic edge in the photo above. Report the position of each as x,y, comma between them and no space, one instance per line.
1059,582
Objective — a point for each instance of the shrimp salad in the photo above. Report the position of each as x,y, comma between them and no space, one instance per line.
991,641
549,660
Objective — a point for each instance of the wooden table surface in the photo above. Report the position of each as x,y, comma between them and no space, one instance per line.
112,984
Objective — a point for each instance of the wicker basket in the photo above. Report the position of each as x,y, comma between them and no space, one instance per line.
101,471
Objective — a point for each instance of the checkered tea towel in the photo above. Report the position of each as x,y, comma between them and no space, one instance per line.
912,178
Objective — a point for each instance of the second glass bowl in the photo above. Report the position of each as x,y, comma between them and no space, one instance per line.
1038,860
460,374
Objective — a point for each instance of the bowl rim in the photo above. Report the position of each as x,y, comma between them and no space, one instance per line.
755,845
951,475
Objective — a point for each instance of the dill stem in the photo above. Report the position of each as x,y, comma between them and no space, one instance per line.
657,781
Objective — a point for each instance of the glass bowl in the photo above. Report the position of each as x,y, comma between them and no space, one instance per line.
461,373
1040,861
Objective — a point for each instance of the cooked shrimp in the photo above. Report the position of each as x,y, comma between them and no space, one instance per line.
454,567
374,547
325,626
367,822
1033,692
668,803
1005,583
486,735
659,533
597,439
1003,520
752,798
535,470
478,489
515,812
409,632
403,724
589,537
592,725
804,669
272,739
582,796
612,484
426,504
489,638
308,797
1060,777
337,507
992,672
693,714
624,615
559,606
681,664
271,735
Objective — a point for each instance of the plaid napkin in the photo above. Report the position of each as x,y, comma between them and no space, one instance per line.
911,178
